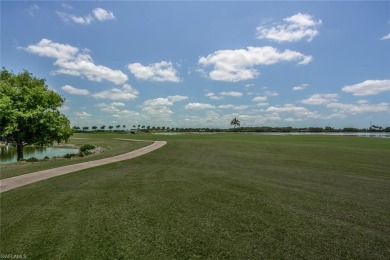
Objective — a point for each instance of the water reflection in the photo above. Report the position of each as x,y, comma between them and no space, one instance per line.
8,153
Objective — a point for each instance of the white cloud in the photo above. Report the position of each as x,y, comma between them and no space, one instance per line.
158,111
160,71
359,108
292,29
386,37
99,13
76,19
212,95
157,102
71,62
177,98
259,98
158,108
82,114
235,107
262,104
320,99
291,109
231,94
125,93
50,49
300,87
33,10
368,87
103,15
271,93
111,108
223,94
237,65
198,106
75,91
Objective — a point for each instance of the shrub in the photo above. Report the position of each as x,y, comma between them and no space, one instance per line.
46,158
32,159
68,156
86,147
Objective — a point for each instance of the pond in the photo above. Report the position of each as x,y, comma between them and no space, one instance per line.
8,154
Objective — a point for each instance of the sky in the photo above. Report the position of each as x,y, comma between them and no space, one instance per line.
201,64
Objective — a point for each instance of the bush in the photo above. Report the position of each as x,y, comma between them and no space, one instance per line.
32,159
86,147
68,155
46,158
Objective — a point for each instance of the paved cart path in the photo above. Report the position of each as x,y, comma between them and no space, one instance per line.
21,180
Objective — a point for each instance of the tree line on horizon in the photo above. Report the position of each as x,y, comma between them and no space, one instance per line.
263,129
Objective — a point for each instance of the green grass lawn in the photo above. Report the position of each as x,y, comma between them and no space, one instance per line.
213,197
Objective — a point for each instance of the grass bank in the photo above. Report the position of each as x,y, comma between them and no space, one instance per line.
106,140
213,196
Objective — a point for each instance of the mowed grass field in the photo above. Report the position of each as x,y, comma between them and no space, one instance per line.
220,196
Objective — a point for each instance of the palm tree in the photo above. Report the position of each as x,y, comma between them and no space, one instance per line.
235,122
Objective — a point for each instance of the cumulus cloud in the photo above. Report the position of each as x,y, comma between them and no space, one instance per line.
111,108
198,106
368,87
231,94
71,61
50,49
99,13
177,98
82,114
103,15
235,107
295,110
159,107
237,65
160,71
291,29
127,92
260,98
320,99
223,94
359,108
212,95
300,87
75,91
158,102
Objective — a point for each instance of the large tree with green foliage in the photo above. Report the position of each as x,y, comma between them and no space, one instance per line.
29,112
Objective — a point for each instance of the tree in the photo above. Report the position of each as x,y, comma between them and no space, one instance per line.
110,127
94,127
102,127
29,112
118,126
235,122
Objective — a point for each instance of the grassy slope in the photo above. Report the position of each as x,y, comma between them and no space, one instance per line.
107,140
213,196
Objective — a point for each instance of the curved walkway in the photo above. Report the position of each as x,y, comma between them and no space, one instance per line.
21,180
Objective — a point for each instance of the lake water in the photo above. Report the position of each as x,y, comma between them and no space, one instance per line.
8,154
361,134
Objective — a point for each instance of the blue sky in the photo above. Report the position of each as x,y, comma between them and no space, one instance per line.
200,64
